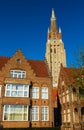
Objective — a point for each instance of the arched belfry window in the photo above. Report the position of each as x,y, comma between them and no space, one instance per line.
51,50
54,50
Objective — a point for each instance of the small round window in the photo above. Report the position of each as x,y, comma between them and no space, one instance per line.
18,60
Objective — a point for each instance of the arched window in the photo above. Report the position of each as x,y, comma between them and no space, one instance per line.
76,115
74,90
51,50
75,110
74,94
82,114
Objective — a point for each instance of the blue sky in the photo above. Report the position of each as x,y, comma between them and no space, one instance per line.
24,24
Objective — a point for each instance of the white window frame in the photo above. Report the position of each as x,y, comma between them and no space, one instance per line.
62,83
35,92
68,115
64,97
12,109
17,74
45,113
44,92
67,95
64,119
17,90
72,96
35,113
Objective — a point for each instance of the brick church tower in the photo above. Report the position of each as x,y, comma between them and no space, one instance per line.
55,52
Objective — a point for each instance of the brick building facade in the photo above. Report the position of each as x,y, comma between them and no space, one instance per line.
25,93
71,99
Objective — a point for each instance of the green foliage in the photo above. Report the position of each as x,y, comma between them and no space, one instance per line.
81,93
78,77
79,58
78,70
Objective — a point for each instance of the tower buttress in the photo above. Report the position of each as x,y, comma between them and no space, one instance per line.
55,52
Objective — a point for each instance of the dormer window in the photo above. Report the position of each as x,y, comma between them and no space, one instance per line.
17,74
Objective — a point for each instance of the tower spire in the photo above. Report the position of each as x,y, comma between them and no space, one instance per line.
54,57
53,27
53,15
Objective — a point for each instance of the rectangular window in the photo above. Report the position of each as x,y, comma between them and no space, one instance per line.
64,120
63,97
15,113
62,83
68,115
17,74
44,93
35,92
72,96
44,113
67,96
17,90
35,113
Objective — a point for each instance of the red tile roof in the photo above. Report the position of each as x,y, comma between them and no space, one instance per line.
3,61
69,73
39,67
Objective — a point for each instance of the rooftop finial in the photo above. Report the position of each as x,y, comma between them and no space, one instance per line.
60,30
48,30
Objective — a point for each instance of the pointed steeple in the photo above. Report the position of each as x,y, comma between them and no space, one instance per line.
53,27
54,57
53,15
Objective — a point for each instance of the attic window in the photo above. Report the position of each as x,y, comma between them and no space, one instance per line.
17,74
18,60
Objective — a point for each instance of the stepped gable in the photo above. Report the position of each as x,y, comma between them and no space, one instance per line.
39,68
3,61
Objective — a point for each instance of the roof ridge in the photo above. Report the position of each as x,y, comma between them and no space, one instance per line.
36,60
4,57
